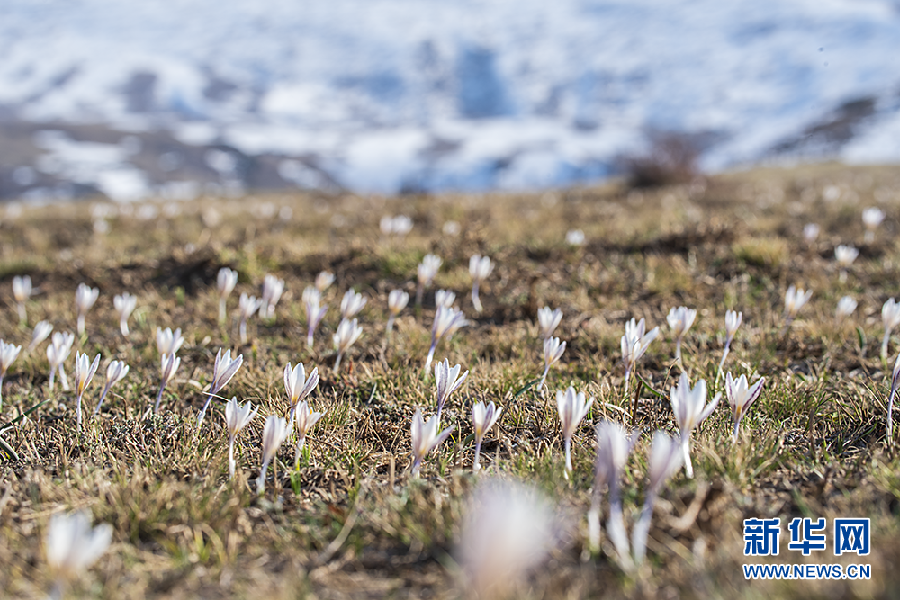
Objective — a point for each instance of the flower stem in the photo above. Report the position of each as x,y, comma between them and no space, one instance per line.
686,450
476,464
476,301
242,329
568,457
261,481
300,443
205,406
222,311
162,388
78,413
337,362
884,343
642,529
231,463
430,356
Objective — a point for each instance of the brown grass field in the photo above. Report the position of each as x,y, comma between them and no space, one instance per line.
350,523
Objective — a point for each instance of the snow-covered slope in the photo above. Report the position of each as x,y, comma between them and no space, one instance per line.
382,95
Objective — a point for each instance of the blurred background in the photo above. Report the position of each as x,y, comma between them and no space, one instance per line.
186,97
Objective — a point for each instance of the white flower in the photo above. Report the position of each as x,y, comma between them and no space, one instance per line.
41,332
733,320
872,217
305,418
397,301
690,408
225,281
168,342
446,381
890,313
115,372
324,281
553,351
124,305
424,436
22,288
483,418
8,354
634,344
273,288
314,313
57,353
845,308
613,448
428,269
84,299
575,237
169,363
351,304
446,322
346,335
73,545
548,320
297,385
845,255
794,300
247,305
572,408
665,459
275,432
480,267
84,373
444,298
236,418
223,370
740,396
810,232
509,530
680,320
399,225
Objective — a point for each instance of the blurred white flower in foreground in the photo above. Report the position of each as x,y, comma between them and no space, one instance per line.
810,232
444,298
665,459
509,529
324,281
613,448
575,237
73,546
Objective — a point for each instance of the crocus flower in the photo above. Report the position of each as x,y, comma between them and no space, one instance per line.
275,432
84,373
845,255
8,354
634,344
680,320
305,418
553,351
794,300
424,436
483,418
872,218
324,280
446,322
399,225
509,530
22,292
167,341
572,408
895,384
225,281
169,363
665,460
314,313
57,353
247,305
444,298
810,233
397,301
237,417
272,290
446,381
845,308
124,305
890,316
346,335
613,448
427,271
480,268
297,385
733,320
740,396
351,304
41,332
690,408
115,372
548,320
73,546
85,297
575,237
223,370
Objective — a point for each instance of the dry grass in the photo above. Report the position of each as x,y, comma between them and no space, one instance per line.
349,523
